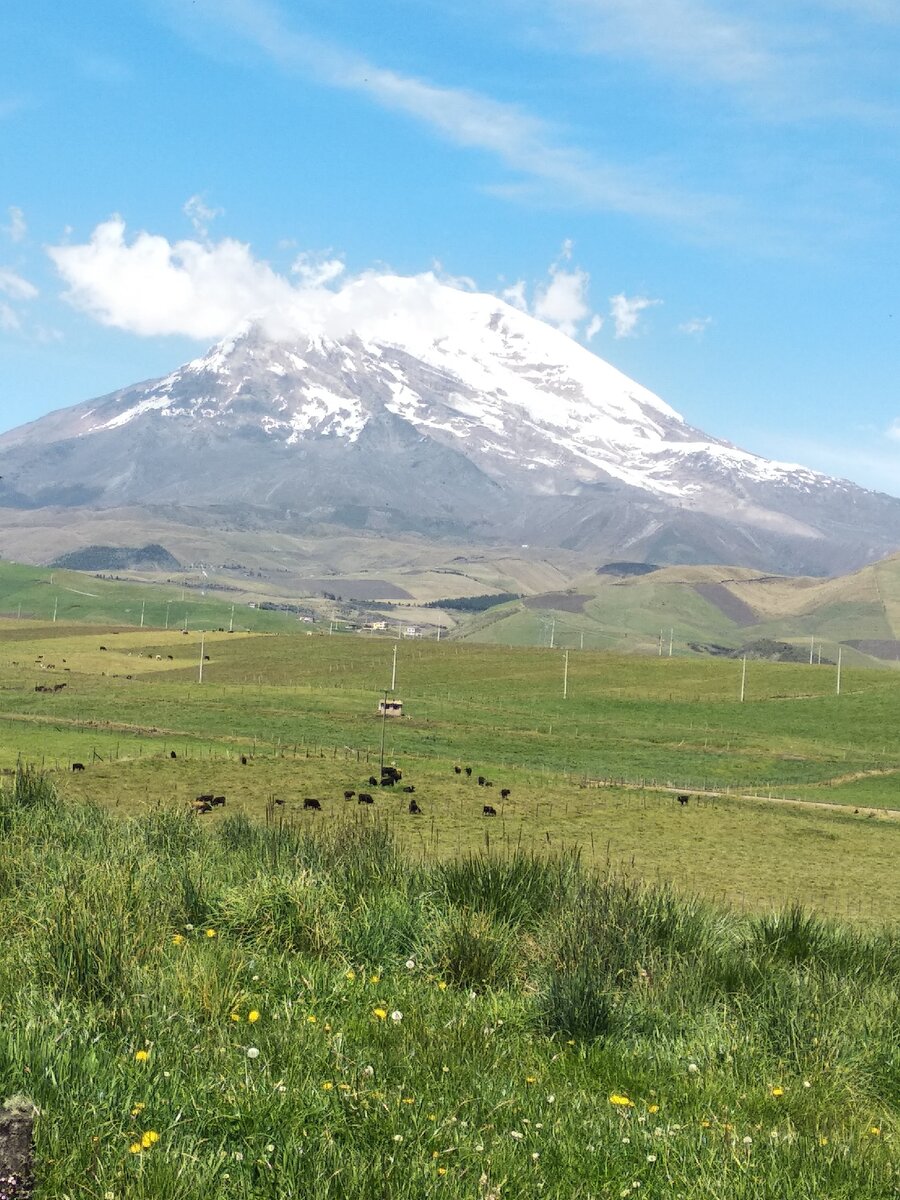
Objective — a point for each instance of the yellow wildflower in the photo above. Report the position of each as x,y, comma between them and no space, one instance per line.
327,1087
442,986
311,1020
823,1141
375,979
530,1079
874,1131
652,1108
138,1108
135,1148
351,975
178,939
149,1138
142,1055
621,1101
408,1100
442,1170
210,933
252,1016
380,1013
235,1016
777,1091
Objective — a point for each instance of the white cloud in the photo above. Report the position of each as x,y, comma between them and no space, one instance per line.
9,319
315,270
696,326
594,326
17,228
515,295
626,311
15,286
893,430
200,214
562,301
152,286
525,144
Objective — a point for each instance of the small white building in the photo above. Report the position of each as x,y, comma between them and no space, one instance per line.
390,708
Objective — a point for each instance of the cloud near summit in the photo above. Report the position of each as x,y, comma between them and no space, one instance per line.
149,286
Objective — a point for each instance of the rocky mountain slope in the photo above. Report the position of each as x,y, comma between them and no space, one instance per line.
412,407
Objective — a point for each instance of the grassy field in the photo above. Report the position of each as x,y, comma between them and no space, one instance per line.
271,1010
302,710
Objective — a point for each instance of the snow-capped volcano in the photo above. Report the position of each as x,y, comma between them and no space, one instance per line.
407,403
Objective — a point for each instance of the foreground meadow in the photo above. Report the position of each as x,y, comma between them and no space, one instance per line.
259,1009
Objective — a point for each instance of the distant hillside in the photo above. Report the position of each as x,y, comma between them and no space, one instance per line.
118,558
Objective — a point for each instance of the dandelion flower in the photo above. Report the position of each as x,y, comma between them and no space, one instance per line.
311,1019
150,1138
398,1137
351,975
442,986
823,1141
396,1016
135,1148
138,1108
777,1091
874,1131
652,1108
410,964
375,979
620,1101
442,1170
531,1079
327,1087
516,1135
252,1052
235,1016
141,1055
380,1013
693,1069
210,933
178,939
252,1016
748,1140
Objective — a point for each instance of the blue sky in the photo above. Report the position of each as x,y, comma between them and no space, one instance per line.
709,189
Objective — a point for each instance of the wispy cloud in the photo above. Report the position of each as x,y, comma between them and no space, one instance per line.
695,326
15,286
527,145
17,227
199,213
626,312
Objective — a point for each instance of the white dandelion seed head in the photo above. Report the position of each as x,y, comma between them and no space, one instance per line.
396,1016
252,1052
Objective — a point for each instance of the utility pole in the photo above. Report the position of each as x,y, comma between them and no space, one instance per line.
743,677
582,639
552,632
231,622
383,721
439,633
840,653
55,607
812,642
566,676
394,670
202,637
168,602
671,640
143,602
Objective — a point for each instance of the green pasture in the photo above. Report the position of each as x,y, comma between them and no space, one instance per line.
588,771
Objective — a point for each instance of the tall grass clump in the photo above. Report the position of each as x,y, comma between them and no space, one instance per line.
521,888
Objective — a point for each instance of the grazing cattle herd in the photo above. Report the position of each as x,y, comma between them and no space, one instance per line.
390,776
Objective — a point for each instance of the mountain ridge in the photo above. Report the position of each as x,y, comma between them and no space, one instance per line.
449,414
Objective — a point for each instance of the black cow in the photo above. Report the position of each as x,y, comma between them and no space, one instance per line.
469,771
364,798
373,782
409,788
504,793
414,808
489,811
243,760
487,783
206,798
309,802
348,795
481,781
201,806
457,770
388,781
682,800
391,773
218,802
102,647
280,803
77,766
172,754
